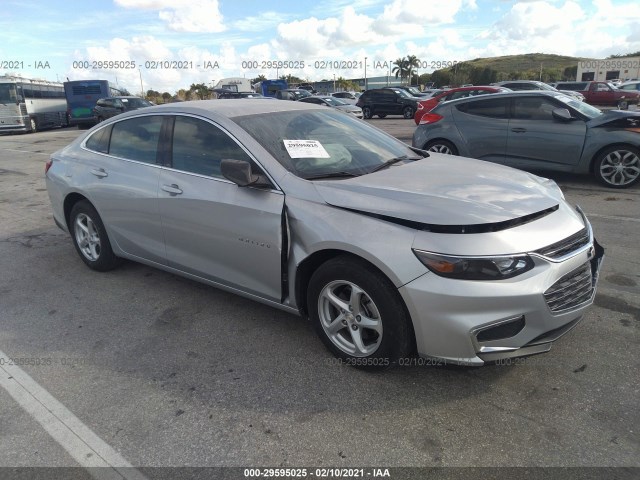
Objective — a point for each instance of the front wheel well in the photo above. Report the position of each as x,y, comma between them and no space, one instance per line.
69,201
310,264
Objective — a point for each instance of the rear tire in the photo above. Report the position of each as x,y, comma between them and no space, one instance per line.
382,115
33,124
90,238
408,112
358,314
441,146
623,105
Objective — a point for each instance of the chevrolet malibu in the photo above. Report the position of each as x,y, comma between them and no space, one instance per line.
387,249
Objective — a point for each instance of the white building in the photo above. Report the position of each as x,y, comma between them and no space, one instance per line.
627,68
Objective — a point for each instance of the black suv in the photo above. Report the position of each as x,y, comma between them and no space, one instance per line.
387,101
112,106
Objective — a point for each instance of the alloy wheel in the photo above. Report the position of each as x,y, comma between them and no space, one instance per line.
87,237
620,167
350,318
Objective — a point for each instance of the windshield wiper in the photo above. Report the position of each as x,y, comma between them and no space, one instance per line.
331,175
388,163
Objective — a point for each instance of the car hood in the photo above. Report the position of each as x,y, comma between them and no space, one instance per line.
616,119
444,190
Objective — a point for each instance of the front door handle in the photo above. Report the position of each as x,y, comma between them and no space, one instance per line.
518,130
173,189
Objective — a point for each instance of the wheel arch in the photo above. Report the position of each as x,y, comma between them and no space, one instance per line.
309,265
69,201
441,139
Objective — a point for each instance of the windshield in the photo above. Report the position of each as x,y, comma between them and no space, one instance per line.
414,91
134,103
7,93
582,107
335,142
402,93
334,101
544,86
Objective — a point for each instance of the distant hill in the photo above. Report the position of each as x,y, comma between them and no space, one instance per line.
528,61
530,66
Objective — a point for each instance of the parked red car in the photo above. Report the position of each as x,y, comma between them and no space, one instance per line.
426,106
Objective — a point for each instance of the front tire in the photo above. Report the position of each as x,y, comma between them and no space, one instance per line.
618,167
441,146
33,124
90,238
367,113
358,314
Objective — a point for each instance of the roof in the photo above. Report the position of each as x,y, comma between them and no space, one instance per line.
235,107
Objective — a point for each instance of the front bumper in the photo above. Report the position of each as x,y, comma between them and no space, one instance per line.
473,322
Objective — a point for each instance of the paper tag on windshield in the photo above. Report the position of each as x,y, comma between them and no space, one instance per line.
305,149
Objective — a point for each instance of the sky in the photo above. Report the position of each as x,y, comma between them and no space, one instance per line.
170,44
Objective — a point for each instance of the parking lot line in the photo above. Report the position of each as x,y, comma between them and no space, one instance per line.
613,217
89,450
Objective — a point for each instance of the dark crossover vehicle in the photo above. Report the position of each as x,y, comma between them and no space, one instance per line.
387,101
320,214
111,106
537,130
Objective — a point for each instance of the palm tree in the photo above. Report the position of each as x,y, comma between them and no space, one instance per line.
400,68
412,61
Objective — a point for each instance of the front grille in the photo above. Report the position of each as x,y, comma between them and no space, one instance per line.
566,246
571,291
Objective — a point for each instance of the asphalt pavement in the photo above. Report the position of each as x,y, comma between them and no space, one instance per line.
138,368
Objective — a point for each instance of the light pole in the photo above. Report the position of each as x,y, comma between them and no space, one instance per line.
141,87
334,83
365,74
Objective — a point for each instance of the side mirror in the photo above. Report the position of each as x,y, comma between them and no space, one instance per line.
239,172
562,114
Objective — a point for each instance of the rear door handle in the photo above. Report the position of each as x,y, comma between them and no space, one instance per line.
99,172
173,189
518,130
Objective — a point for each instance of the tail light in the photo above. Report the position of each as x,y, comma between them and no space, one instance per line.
47,165
428,118
420,106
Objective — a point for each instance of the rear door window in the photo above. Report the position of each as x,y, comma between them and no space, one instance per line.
489,107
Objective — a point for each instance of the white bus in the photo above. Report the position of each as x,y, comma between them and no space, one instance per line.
28,105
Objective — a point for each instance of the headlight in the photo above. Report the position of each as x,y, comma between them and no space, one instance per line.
475,268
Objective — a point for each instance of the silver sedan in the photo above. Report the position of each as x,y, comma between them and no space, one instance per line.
389,250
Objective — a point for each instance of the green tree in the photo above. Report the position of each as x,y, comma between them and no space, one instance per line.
259,78
200,90
166,96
